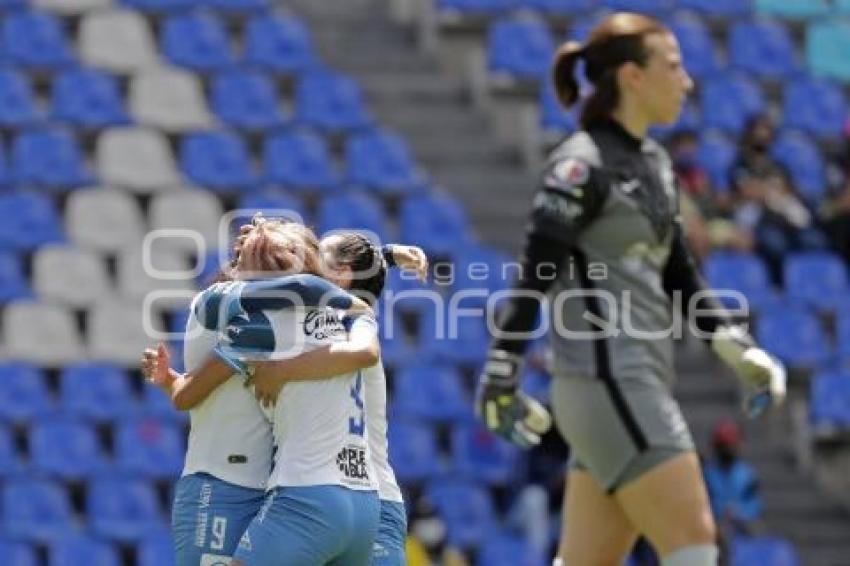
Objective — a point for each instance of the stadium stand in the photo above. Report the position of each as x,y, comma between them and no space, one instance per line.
120,117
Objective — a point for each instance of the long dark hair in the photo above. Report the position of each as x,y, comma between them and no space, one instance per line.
617,40
365,260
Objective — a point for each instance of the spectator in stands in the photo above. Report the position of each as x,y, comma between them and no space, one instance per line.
732,483
765,200
835,210
705,228
426,542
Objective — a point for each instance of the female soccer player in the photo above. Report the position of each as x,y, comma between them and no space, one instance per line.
606,244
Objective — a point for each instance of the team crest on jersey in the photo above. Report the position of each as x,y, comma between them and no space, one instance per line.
572,172
214,560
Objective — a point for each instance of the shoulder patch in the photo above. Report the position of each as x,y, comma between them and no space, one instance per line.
572,172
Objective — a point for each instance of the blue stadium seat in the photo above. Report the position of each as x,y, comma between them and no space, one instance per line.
760,551
216,160
829,405
842,333
77,550
508,549
521,48
436,222
155,403
650,7
28,220
580,28
66,449
275,202
763,48
352,211
804,161
14,284
696,44
35,39
433,392
793,9
156,550
158,6
815,106
197,41
150,448
794,335
24,395
122,510
50,159
299,160
464,342
280,44
719,8
381,161
559,7
246,99
36,510
86,97
97,392
18,553
740,272
716,154
827,45
413,449
234,6
817,278
475,7
553,117
10,461
18,106
483,268
482,457
330,102
729,100
466,508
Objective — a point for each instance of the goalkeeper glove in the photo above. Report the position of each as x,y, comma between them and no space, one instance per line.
504,409
762,376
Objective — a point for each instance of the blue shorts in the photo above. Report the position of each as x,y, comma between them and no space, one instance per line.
392,532
310,526
208,518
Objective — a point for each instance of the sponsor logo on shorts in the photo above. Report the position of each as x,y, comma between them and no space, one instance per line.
203,517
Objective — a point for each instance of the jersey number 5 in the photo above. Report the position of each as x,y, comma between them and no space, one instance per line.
357,425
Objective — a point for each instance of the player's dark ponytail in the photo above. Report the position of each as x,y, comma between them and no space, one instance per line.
619,39
366,262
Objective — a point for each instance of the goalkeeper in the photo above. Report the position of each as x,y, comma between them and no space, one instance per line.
606,252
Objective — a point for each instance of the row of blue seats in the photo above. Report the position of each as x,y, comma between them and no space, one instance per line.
727,100
277,43
793,9
829,401
434,221
69,449
81,548
245,99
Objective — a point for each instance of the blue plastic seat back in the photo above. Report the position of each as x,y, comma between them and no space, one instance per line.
35,39
13,281
762,47
433,392
196,40
744,273
19,106
801,156
560,7
88,98
274,202
829,402
36,509
18,553
522,48
124,510
794,335
28,220
380,160
331,102
816,106
466,508
414,454
235,6
720,8
159,6
508,549
716,155
434,221
50,158
649,7
483,457
149,447
476,7
728,101
65,448
352,211
156,550
552,114
24,395
763,550
246,99
99,392
82,549
279,43
299,160
818,278
217,160
695,43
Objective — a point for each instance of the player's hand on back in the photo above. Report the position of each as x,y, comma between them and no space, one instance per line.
266,381
411,258
504,409
155,366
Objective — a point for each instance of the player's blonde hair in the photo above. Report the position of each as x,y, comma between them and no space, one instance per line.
279,246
